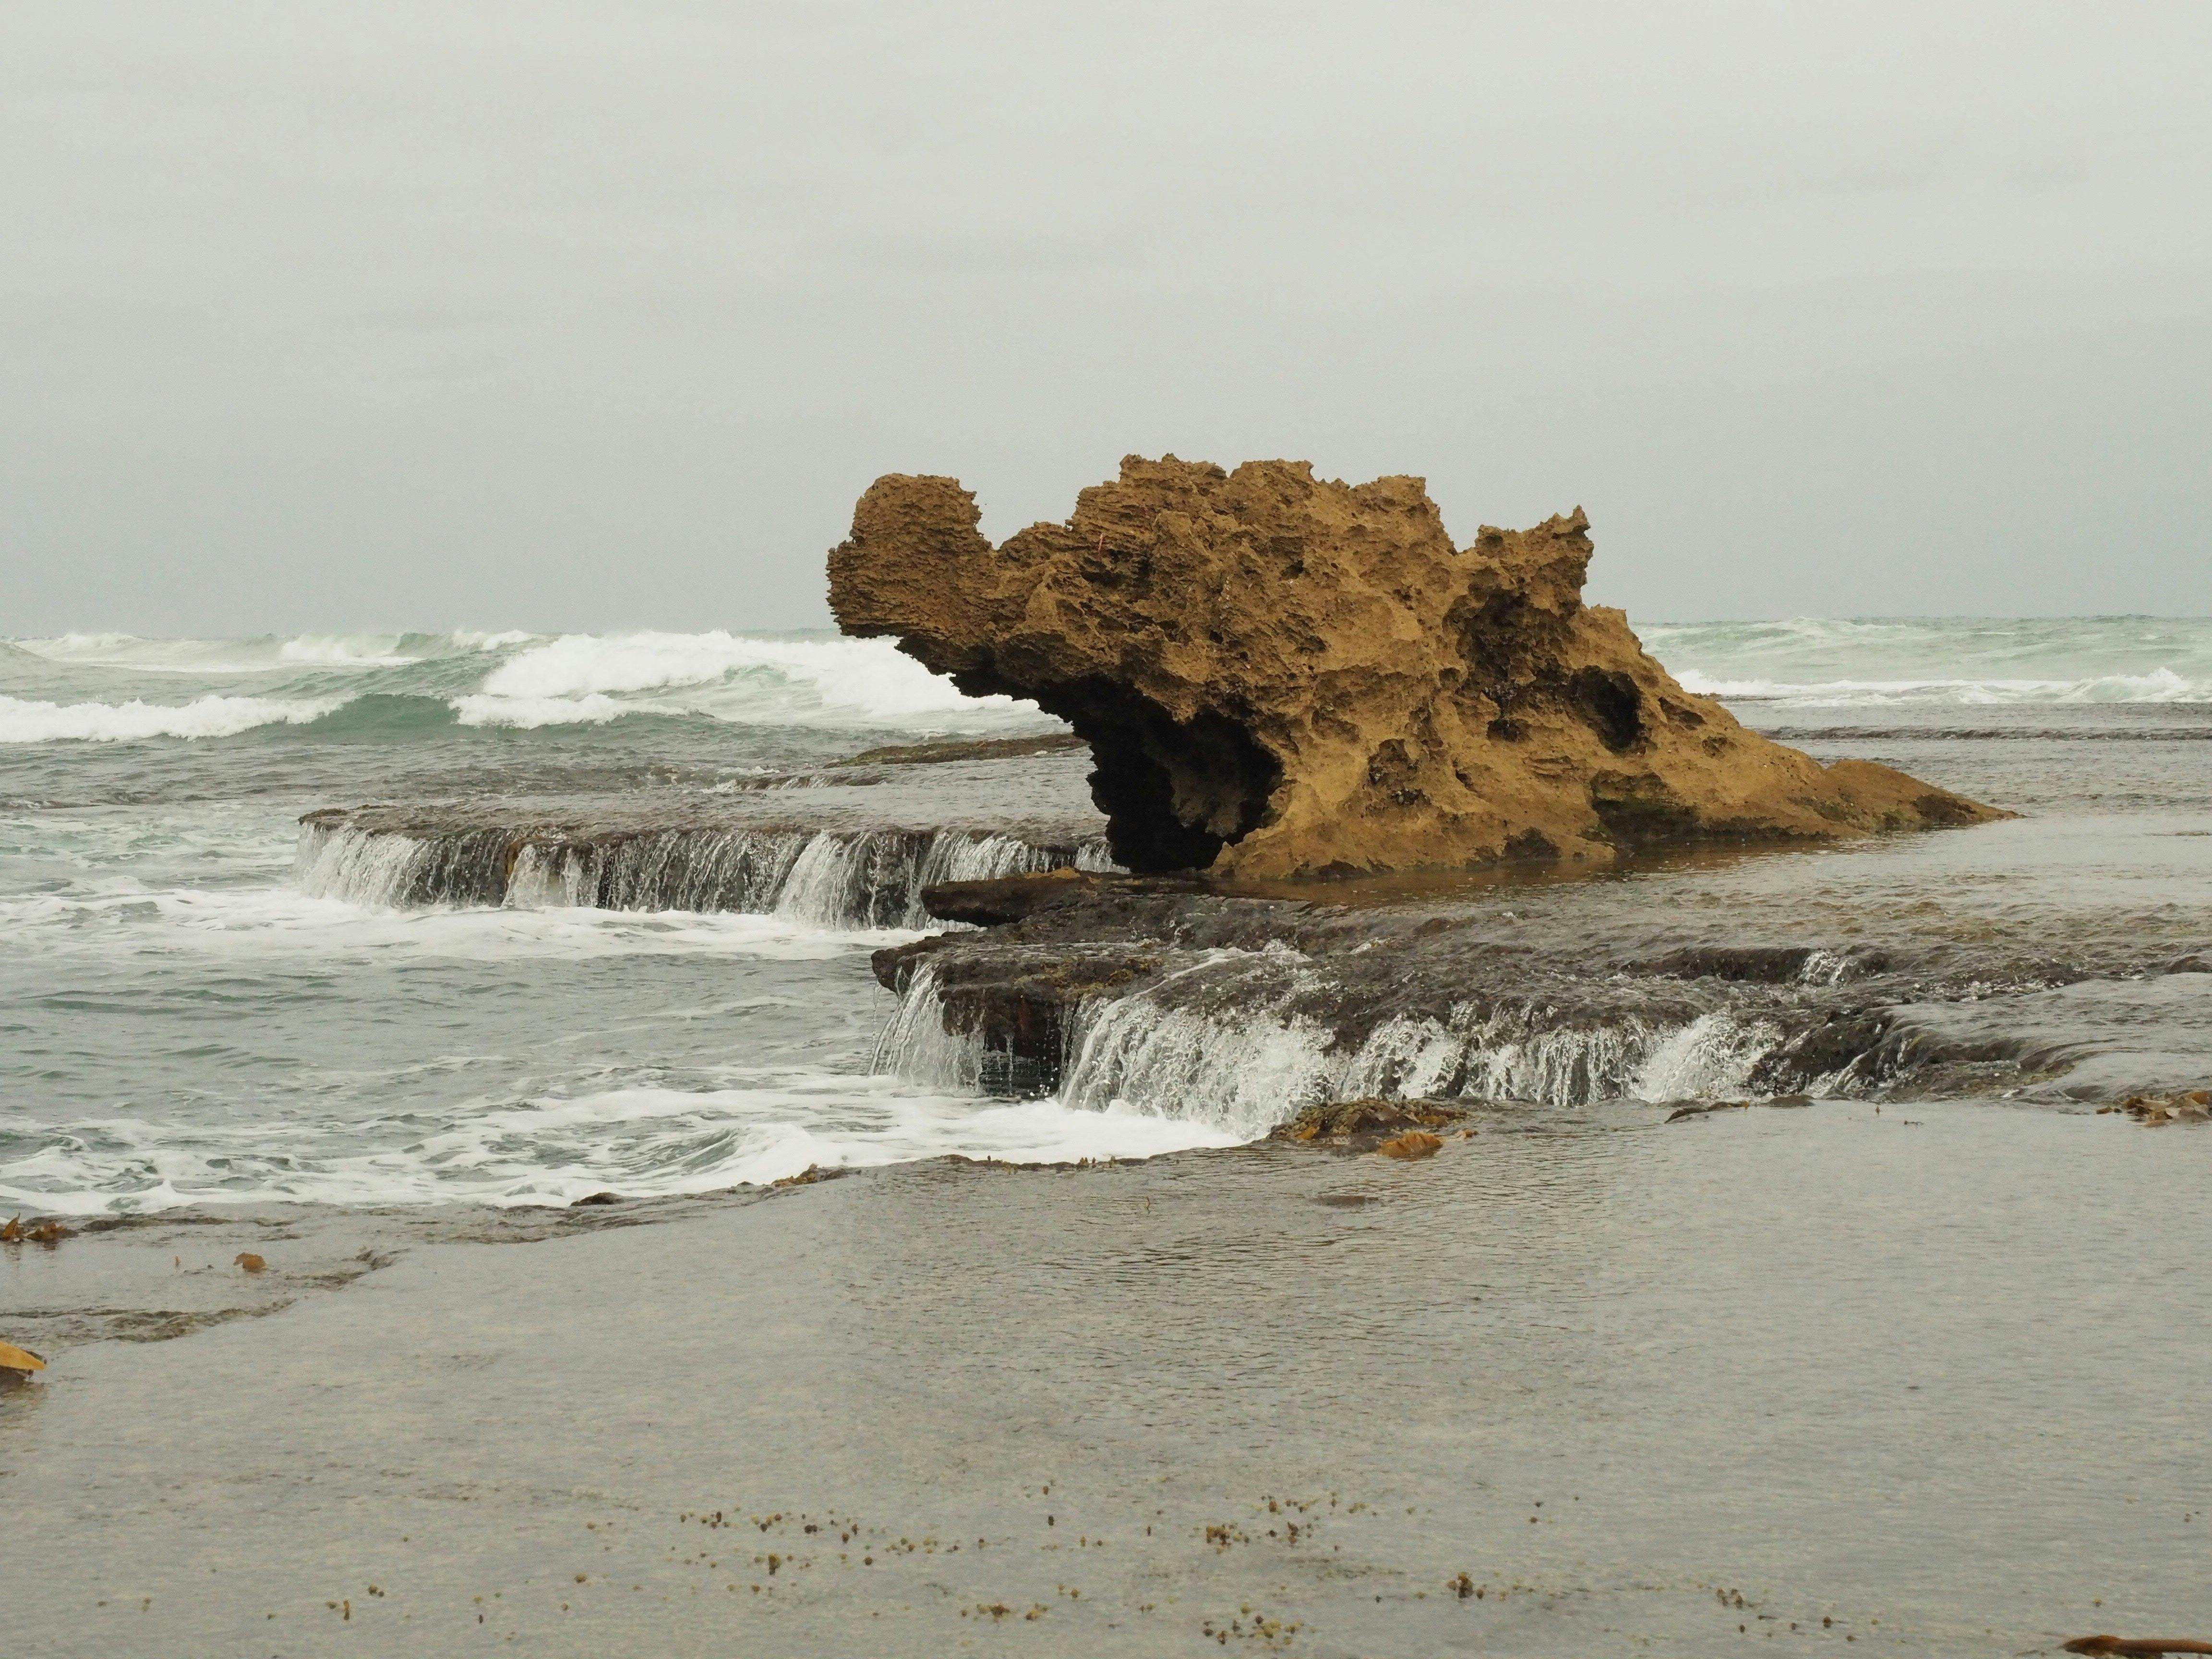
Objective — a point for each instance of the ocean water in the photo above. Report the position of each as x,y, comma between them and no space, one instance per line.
202,1003
1955,662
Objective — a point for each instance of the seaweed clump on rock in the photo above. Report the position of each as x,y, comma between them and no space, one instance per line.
1279,675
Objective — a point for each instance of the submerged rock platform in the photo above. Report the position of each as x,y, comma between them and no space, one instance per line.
1284,676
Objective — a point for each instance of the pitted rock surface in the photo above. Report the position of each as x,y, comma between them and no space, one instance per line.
1281,675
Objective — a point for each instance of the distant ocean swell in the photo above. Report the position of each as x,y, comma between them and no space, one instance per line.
2160,685
1964,661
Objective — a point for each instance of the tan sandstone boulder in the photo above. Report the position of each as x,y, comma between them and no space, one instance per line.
1279,675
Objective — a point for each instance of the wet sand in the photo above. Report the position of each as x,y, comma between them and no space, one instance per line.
1925,1379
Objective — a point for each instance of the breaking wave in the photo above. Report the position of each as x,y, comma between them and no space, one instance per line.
27,721
95,684
587,677
261,653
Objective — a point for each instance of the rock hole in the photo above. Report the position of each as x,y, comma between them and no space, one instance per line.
1611,704
1174,792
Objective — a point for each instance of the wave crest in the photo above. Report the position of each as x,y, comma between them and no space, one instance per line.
755,681
22,721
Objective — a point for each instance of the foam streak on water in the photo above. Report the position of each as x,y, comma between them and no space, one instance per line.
640,1140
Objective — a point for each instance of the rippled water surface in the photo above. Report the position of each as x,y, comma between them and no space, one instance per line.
194,1009
1905,1360
1918,1380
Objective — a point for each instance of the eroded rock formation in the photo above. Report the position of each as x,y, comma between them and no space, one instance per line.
1279,675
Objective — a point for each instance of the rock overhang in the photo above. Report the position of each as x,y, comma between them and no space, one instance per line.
1281,675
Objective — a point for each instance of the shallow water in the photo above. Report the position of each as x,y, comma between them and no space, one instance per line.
184,1026
193,1012
1918,1380
188,1020
1876,1372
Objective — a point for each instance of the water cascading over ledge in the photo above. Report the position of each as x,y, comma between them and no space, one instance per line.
1252,1065
1243,1036
839,878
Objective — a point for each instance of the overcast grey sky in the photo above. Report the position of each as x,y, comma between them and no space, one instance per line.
600,313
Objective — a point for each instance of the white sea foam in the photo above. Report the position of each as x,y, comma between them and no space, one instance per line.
753,1123
162,656
475,639
536,680
528,714
528,682
89,646
1818,661
639,1141
22,721
730,677
342,651
218,657
277,921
